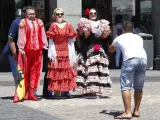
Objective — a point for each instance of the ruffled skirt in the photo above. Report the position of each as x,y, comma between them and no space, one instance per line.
93,74
61,75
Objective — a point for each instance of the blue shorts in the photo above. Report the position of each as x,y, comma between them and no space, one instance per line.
13,65
133,74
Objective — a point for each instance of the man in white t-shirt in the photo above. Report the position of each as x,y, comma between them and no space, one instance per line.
133,68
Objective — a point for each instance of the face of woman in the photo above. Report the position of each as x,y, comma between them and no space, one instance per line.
59,15
93,14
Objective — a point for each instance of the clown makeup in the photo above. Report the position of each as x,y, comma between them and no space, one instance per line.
92,14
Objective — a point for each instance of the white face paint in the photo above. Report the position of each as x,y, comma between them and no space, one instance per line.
92,14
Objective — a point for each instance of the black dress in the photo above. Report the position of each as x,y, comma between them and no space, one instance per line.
93,74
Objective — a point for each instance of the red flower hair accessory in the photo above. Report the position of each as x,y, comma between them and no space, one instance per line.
87,11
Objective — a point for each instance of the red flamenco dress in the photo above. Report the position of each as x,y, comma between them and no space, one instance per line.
60,72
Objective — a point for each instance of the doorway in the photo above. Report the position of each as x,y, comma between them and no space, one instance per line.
103,7
9,9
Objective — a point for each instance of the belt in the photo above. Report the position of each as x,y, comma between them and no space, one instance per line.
133,58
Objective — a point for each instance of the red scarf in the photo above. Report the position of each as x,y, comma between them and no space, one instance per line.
28,36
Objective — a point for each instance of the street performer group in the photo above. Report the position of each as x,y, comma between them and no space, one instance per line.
87,71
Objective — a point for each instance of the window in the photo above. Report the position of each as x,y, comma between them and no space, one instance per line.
146,15
39,5
19,4
126,8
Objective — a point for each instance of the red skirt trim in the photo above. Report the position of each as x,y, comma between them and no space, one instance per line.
63,85
61,76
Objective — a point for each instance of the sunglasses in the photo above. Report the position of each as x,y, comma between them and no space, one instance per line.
31,14
93,13
59,14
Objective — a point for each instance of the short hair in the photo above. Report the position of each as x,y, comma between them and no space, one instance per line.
128,26
27,8
55,10
93,9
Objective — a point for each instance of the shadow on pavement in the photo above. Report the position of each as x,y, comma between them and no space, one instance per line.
111,112
11,97
75,96
7,98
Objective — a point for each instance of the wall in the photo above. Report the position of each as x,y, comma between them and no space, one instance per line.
72,9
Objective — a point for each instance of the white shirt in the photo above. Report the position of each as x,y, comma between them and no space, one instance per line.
131,46
34,34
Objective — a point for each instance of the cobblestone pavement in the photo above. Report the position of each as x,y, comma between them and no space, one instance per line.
77,108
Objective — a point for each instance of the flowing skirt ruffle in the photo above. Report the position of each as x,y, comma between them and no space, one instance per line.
93,74
61,75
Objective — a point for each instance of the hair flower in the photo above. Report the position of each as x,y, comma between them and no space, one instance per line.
87,11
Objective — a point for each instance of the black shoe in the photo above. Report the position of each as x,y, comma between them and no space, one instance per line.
68,95
117,67
44,96
51,97
48,97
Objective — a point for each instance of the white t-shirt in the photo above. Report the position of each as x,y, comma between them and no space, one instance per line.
131,46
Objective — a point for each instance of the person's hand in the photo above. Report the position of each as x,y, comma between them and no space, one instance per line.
45,47
86,34
105,34
22,51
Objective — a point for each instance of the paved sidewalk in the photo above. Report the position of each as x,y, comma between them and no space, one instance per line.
114,73
78,108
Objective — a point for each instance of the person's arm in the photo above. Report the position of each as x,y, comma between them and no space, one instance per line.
72,33
78,42
113,46
44,38
114,32
21,35
21,38
12,48
13,31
